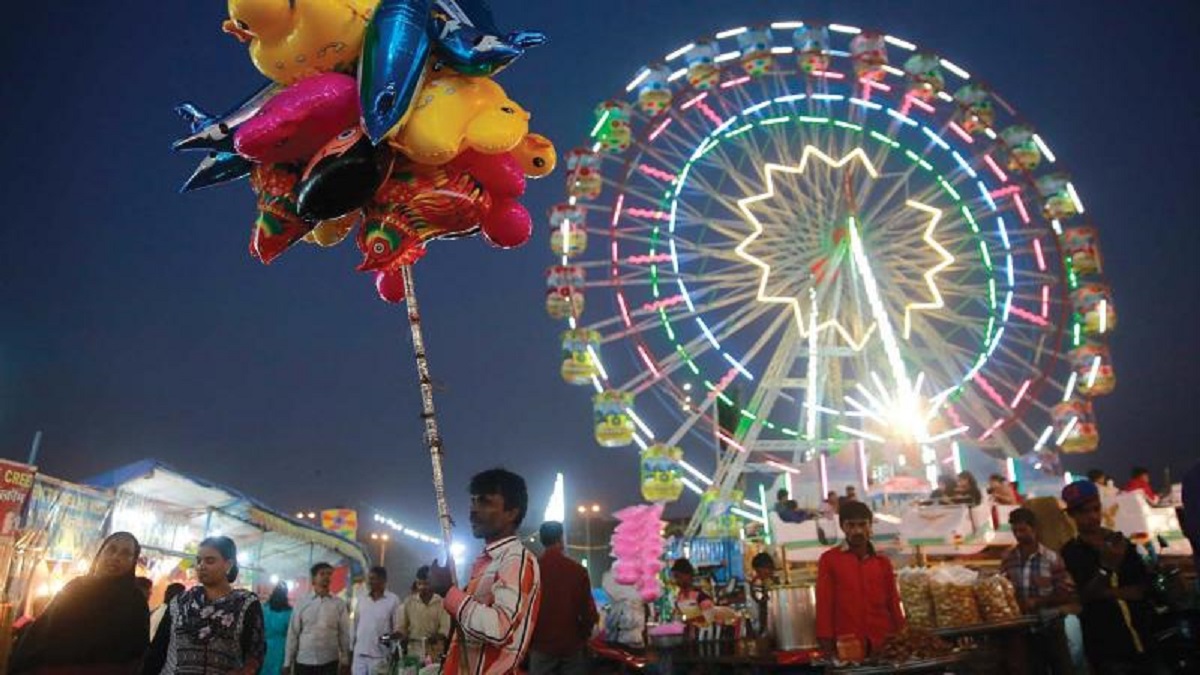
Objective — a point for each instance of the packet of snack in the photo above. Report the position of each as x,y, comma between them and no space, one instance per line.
953,590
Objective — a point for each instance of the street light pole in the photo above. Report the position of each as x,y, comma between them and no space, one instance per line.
587,528
383,540
587,512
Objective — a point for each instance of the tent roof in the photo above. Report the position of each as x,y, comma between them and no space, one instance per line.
275,542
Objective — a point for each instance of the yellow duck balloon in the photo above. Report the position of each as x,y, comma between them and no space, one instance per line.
453,113
535,153
293,39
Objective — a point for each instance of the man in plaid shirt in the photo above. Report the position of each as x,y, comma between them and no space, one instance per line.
496,612
1043,586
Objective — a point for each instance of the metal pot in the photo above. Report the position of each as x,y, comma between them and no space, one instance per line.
792,617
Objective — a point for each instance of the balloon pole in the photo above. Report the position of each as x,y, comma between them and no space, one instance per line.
433,439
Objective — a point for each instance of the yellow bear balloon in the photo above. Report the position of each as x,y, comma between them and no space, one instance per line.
290,40
454,112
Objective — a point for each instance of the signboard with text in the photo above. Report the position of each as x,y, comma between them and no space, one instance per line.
16,480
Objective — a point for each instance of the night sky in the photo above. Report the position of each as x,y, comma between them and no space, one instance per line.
134,324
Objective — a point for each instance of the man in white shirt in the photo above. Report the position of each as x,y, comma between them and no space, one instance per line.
318,640
422,615
376,615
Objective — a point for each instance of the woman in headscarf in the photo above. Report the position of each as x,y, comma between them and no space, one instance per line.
97,624
212,628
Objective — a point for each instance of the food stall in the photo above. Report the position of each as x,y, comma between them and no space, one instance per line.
170,512
62,528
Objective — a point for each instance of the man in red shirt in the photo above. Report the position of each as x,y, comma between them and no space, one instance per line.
856,587
1139,479
567,614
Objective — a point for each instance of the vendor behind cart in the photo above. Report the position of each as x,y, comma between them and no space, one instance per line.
759,586
857,599
690,602
1043,586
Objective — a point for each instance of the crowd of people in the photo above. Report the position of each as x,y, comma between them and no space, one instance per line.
515,612
518,612
1098,574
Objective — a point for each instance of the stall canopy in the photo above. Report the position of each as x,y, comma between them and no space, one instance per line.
171,511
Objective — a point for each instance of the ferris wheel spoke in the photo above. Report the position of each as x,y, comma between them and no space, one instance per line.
730,327
936,342
1033,345
698,346
718,160
651,319
642,277
696,250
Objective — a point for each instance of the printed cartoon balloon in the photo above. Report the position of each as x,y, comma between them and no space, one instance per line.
290,41
395,51
417,204
332,232
453,113
536,155
278,224
294,124
339,179
468,41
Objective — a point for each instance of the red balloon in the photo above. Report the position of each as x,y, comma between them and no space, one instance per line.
501,175
390,285
507,224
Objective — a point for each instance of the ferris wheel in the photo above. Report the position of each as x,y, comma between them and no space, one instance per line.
799,238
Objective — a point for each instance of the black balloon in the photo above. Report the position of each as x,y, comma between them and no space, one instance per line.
342,177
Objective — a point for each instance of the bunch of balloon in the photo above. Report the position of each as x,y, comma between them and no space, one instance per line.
637,544
380,115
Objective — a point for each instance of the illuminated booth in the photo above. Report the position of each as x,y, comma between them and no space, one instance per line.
170,512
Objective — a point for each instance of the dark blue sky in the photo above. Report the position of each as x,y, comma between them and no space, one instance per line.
133,323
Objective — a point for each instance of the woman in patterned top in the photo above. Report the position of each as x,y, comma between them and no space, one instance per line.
212,628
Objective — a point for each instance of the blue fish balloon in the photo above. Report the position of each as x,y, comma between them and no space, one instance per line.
392,65
467,40
217,168
215,132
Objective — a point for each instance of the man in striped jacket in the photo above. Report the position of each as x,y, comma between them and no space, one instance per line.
497,611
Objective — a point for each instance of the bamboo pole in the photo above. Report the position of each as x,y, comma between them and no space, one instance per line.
433,439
